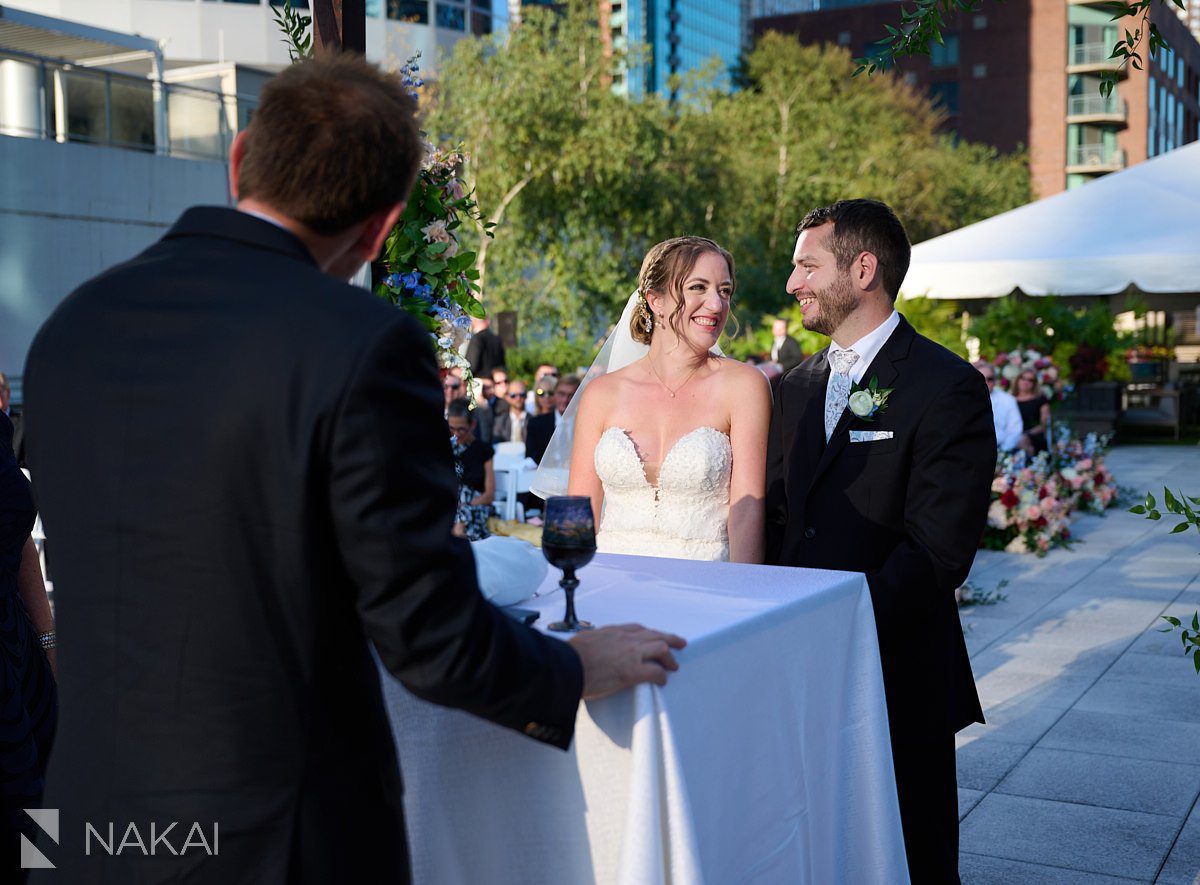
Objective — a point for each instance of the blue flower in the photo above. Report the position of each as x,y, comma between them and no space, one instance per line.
424,291
392,281
462,322
411,280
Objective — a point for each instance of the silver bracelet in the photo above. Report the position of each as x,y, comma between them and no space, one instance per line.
48,640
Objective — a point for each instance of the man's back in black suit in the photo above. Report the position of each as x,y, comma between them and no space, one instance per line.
220,573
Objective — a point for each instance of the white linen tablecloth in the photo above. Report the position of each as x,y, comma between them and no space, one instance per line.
764,759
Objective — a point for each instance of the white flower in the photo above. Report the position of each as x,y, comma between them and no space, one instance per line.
451,250
997,515
862,403
1011,372
435,232
1017,545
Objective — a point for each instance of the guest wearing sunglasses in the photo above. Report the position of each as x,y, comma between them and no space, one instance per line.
510,423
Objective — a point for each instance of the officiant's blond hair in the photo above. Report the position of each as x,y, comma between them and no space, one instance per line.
664,270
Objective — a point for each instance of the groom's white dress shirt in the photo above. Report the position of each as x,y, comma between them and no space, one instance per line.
867,347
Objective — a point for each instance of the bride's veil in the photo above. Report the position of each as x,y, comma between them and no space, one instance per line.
619,351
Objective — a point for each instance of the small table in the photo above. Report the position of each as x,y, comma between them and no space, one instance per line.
766,758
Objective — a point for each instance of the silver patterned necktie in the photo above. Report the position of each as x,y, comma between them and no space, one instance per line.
837,394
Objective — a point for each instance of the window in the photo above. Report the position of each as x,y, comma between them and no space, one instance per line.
296,4
408,11
944,55
453,18
843,38
945,96
481,23
979,71
979,22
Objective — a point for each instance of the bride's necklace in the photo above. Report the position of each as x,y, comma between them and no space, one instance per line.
695,368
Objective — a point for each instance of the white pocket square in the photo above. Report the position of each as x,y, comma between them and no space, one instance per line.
869,435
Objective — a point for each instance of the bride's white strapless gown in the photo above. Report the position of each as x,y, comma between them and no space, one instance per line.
684,516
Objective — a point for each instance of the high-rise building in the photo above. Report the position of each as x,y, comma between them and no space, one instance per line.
1026,74
680,36
244,31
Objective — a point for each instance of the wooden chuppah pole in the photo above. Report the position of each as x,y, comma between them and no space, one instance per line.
339,26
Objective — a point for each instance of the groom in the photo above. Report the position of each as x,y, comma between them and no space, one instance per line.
880,459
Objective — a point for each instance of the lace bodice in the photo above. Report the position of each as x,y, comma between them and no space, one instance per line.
684,516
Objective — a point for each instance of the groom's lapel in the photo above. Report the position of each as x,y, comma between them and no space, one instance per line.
882,367
811,437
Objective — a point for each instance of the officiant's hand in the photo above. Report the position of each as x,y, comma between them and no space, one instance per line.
615,658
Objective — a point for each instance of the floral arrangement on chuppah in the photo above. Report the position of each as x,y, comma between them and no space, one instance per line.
1034,500
1009,367
429,274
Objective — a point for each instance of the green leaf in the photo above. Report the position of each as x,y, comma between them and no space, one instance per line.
1196,621
1150,502
1196,660
1168,498
474,308
1154,514
1137,508
431,267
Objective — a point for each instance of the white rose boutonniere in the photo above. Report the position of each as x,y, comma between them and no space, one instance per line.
867,402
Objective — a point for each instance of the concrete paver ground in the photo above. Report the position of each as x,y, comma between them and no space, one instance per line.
1088,769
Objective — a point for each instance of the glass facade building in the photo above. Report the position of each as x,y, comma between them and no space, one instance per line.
680,36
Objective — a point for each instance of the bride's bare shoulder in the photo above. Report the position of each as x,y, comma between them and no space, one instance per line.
742,378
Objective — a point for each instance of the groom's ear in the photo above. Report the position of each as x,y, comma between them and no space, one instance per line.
375,231
865,271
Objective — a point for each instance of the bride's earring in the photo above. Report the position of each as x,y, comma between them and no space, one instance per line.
648,324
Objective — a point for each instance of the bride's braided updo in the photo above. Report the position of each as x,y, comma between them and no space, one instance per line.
664,270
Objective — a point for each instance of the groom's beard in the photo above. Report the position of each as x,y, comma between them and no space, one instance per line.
835,302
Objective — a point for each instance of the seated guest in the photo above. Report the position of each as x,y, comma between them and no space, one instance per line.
476,479
1005,414
544,371
499,387
1035,413
451,390
542,427
511,421
543,397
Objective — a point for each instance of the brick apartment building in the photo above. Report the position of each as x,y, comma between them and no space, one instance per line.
1024,73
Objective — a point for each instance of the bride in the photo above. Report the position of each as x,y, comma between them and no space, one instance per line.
670,437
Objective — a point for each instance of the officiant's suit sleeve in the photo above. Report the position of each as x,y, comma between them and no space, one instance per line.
946,501
393,495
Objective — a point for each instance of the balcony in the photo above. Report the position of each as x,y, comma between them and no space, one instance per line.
1094,159
49,99
1097,109
1087,58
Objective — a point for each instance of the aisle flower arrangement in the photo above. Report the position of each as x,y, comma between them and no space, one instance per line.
1033,500
1009,367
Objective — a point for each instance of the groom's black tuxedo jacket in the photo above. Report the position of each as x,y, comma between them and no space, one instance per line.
246,473
909,511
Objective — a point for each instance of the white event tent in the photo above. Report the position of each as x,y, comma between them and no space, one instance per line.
1138,227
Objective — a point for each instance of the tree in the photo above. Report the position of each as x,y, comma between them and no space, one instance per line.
804,133
581,180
